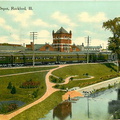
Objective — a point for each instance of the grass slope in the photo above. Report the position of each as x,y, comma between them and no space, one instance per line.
22,94
96,70
22,70
41,109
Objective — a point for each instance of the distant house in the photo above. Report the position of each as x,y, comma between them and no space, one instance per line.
43,47
92,48
5,47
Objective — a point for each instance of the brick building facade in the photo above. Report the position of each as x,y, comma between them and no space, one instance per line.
62,40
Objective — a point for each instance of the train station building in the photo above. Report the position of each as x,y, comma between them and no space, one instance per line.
62,42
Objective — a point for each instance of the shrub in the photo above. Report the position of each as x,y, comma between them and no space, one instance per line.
30,84
35,93
42,87
56,80
12,106
9,85
71,78
109,86
62,87
13,90
87,74
56,86
4,108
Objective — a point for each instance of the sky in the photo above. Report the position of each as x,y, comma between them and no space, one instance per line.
83,18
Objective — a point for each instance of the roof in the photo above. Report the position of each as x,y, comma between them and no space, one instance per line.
93,47
61,30
38,46
12,48
72,94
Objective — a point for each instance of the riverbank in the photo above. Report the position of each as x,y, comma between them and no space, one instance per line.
100,85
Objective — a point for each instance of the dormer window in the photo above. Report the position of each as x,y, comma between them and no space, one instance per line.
47,48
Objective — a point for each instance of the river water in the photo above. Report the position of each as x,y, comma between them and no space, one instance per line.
100,106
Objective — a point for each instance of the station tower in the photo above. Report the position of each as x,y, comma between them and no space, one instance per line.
62,40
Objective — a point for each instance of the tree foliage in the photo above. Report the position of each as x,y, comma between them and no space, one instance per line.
13,90
114,41
9,85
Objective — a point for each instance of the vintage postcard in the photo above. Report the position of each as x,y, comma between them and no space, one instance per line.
59,60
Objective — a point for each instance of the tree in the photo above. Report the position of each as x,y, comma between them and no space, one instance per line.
35,93
71,78
9,85
13,90
114,41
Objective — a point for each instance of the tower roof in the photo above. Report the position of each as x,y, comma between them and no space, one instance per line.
61,30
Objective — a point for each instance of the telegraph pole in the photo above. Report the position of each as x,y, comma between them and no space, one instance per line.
88,43
33,35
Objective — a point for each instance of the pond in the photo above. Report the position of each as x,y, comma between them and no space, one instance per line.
100,106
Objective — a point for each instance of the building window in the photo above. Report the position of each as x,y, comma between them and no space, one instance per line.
47,48
74,49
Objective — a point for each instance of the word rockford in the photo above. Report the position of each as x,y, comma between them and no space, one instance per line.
15,8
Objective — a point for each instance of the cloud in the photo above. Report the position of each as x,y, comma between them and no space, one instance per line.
2,21
89,32
43,34
21,17
86,17
40,22
97,42
43,37
4,25
62,18
43,41
79,40
93,42
4,39
15,37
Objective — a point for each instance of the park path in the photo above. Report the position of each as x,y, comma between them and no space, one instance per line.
48,92
22,73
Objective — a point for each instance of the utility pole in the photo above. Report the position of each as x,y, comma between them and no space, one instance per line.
88,43
33,35
88,106
87,95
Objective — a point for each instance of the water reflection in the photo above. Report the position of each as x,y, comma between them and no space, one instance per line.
100,107
114,106
63,110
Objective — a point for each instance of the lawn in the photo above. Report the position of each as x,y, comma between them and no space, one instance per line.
23,94
22,70
99,71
